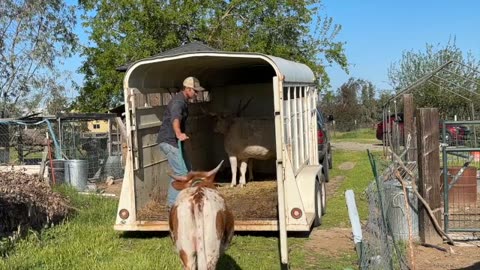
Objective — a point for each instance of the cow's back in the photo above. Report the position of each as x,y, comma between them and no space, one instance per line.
251,138
201,226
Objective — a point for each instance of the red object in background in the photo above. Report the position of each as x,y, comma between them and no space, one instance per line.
321,136
454,133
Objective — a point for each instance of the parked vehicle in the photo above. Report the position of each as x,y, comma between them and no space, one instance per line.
324,147
455,134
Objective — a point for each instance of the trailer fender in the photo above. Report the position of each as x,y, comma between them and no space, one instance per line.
306,184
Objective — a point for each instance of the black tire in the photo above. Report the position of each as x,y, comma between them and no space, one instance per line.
323,186
448,138
326,169
330,158
318,205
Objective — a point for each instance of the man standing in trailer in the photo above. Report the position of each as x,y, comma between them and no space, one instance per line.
172,131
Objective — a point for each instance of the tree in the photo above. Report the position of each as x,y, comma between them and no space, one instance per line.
354,103
367,99
34,37
347,108
444,89
57,102
125,31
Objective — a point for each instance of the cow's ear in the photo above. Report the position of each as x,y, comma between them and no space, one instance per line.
180,185
179,178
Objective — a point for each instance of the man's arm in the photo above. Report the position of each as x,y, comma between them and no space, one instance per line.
178,132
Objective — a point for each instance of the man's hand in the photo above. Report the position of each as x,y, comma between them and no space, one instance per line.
182,137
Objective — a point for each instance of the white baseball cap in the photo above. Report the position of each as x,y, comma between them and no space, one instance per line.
193,82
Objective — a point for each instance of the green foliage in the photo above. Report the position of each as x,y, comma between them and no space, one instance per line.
128,30
34,37
452,91
354,104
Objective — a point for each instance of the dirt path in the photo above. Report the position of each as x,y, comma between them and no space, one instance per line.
355,146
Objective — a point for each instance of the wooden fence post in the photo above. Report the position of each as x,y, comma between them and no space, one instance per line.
409,126
428,172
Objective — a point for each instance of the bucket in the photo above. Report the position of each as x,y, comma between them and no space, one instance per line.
76,173
396,210
464,191
58,171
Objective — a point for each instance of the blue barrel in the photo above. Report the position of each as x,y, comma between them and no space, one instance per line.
76,173
396,210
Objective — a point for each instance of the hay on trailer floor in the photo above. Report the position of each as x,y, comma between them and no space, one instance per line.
257,200
28,202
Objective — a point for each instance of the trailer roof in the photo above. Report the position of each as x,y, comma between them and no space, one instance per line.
180,60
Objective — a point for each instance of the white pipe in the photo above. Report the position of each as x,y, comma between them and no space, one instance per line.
354,218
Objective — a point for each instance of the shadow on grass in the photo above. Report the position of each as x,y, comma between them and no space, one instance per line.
225,262
144,235
228,263
471,267
274,234
268,234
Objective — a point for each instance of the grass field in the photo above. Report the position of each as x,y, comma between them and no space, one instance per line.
88,241
364,135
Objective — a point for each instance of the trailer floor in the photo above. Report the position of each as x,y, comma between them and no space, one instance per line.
257,200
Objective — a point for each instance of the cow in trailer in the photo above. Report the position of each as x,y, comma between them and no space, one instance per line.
201,225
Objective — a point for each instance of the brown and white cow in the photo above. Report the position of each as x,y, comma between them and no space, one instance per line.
201,225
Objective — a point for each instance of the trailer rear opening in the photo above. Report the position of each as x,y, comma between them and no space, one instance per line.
257,200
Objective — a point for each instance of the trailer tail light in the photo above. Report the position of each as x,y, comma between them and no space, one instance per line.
296,213
321,137
124,214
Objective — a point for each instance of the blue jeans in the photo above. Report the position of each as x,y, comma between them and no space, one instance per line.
177,164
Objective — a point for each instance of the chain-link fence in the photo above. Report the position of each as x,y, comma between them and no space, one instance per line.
96,142
391,221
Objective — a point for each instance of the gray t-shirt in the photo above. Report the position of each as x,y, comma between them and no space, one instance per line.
176,109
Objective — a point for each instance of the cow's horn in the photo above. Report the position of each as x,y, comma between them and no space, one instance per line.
214,171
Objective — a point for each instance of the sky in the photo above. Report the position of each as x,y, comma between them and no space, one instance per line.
376,33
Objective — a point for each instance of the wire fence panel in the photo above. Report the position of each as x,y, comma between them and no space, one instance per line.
37,146
384,235
460,176
100,146
22,143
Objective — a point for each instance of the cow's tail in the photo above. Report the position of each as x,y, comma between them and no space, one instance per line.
202,261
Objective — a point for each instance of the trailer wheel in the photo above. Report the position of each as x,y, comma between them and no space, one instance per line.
330,159
318,204
323,186
326,170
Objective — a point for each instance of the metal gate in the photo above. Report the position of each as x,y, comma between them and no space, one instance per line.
460,181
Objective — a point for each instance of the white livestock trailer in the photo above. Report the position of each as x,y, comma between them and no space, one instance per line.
278,89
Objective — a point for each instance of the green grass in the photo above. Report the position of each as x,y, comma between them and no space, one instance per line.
88,241
356,179
364,135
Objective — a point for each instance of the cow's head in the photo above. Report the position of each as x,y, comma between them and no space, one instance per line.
193,178
224,120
